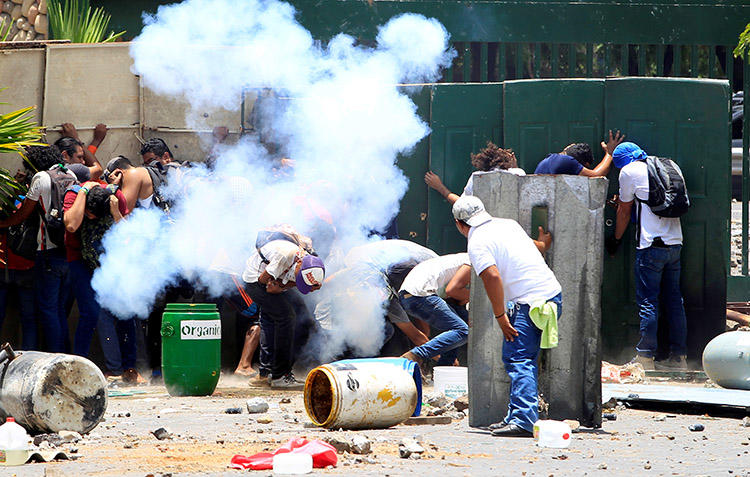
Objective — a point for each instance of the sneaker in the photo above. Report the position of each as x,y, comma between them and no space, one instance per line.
288,381
673,363
645,361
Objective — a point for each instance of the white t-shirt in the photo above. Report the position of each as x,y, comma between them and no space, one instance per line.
430,276
281,255
503,243
469,189
634,183
41,190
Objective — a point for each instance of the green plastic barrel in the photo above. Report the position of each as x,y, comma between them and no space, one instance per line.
191,348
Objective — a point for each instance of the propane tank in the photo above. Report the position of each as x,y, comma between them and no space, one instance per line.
726,360
51,392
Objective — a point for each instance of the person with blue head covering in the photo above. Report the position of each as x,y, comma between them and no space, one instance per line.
657,260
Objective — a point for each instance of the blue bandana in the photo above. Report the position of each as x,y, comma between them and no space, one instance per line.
626,153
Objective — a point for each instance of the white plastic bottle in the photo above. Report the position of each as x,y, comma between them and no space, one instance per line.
292,463
552,434
14,443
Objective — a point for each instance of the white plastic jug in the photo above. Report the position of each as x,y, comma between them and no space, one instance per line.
292,463
453,381
552,434
14,443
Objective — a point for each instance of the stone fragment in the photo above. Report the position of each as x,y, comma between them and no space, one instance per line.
256,405
161,434
26,6
660,417
611,404
408,447
69,436
285,400
41,24
602,466
610,416
263,420
360,445
461,403
43,6
696,427
51,440
341,445
745,422
33,12
437,400
233,410
7,6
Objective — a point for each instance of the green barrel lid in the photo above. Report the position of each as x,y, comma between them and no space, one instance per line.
202,307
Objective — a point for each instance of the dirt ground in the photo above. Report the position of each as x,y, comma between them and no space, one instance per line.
204,439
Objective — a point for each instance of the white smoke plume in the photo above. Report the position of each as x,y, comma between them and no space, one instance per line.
341,118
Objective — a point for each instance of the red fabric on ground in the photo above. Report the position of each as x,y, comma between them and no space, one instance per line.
323,455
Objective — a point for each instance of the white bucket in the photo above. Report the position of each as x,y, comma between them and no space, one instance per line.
453,381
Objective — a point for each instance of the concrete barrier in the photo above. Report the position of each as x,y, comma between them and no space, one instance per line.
572,208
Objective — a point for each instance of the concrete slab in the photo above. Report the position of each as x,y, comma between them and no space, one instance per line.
569,381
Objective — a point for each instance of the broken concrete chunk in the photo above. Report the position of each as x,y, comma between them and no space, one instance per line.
360,445
408,447
69,436
462,403
233,410
161,434
437,400
256,405
340,444
745,422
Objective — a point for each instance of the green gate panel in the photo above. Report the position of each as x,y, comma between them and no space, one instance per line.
412,218
687,120
544,116
463,119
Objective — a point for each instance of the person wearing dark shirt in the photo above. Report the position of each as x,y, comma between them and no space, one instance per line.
576,159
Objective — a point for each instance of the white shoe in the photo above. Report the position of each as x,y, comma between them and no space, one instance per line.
287,381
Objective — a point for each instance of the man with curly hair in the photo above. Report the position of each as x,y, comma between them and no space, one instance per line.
490,159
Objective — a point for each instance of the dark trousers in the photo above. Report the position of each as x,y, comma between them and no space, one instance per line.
51,288
279,313
88,307
117,338
21,284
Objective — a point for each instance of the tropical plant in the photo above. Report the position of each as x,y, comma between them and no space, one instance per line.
17,131
76,21
744,42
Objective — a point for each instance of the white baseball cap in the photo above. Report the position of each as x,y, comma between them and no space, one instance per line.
470,209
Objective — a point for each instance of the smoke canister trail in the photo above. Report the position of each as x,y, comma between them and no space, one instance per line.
338,114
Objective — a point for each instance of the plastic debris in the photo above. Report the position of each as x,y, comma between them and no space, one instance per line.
322,453
628,373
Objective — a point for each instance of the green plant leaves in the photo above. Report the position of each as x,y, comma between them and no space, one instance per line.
76,21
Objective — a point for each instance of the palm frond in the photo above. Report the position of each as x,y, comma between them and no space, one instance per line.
76,21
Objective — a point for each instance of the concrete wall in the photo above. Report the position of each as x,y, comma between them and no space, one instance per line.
569,374
90,84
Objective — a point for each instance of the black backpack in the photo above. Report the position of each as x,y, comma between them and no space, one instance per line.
54,226
158,175
667,194
22,238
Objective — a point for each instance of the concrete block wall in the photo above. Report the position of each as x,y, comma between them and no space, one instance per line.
569,375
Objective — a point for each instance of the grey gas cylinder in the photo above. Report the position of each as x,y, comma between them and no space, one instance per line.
726,360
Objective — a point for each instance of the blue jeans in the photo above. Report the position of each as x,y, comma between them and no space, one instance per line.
117,338
520,360
51,288
88,307
657,269
22,282
438,314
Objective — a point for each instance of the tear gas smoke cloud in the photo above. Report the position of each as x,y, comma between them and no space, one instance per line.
343,122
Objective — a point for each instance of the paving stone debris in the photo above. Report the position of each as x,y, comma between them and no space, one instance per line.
462,403
360,445
696,427
233,410
408,447
256,406
161,434
339,443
